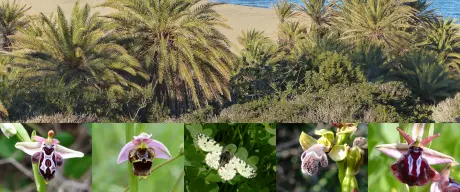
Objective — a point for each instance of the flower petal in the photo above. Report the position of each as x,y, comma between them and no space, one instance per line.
395,150
38,139
124,153
67,153
435,187
326,139
417,131
29,147
160,150
434,157
8,129
306,141
338,152
408,139
141,137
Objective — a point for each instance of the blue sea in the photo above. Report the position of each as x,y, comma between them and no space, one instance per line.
445,7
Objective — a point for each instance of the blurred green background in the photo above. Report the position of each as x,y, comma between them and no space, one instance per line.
254,143
109,139
289,177
74,175
380,176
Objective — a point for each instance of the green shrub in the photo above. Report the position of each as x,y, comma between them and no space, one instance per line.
63,118
365,102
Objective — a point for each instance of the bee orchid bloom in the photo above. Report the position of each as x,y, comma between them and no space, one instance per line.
141,151
47,153
445,183
414,160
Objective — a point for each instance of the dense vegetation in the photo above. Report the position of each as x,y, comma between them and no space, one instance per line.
347,60
253,143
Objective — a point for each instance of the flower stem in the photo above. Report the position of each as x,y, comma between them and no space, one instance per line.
176,185
133,181
341,167
24,137
169,161
39,182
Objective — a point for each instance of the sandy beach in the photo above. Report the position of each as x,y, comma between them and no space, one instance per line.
239,17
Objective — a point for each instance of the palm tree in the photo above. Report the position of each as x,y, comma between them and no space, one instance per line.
425,77
11,18
424,11
291,36
317,11
443,37
258,50
180,46
73,51
373,61
285,10
382,22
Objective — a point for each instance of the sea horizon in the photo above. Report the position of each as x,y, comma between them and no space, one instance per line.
447,8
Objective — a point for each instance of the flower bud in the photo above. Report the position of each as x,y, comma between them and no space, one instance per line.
360,142
345,132
8,129
354,160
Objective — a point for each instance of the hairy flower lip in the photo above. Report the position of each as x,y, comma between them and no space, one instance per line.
160,150
312,157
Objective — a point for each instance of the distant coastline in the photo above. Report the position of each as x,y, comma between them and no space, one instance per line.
444,7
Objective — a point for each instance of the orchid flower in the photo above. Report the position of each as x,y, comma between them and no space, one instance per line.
445,183
414,159
141,151
8,129
315,150
47,153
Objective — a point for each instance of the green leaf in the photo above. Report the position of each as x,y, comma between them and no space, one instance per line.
244,188
272,141
270,130
242,153
231,147
194,129
65,138
208,132
77,167
213,177
253,160
7,148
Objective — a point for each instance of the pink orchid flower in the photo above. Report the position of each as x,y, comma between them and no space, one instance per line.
141,151
414,159
445,183
48,154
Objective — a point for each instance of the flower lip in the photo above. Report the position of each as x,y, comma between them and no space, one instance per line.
312,157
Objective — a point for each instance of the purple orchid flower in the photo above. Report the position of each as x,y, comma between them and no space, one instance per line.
141,151
414,159
48,154
445,183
